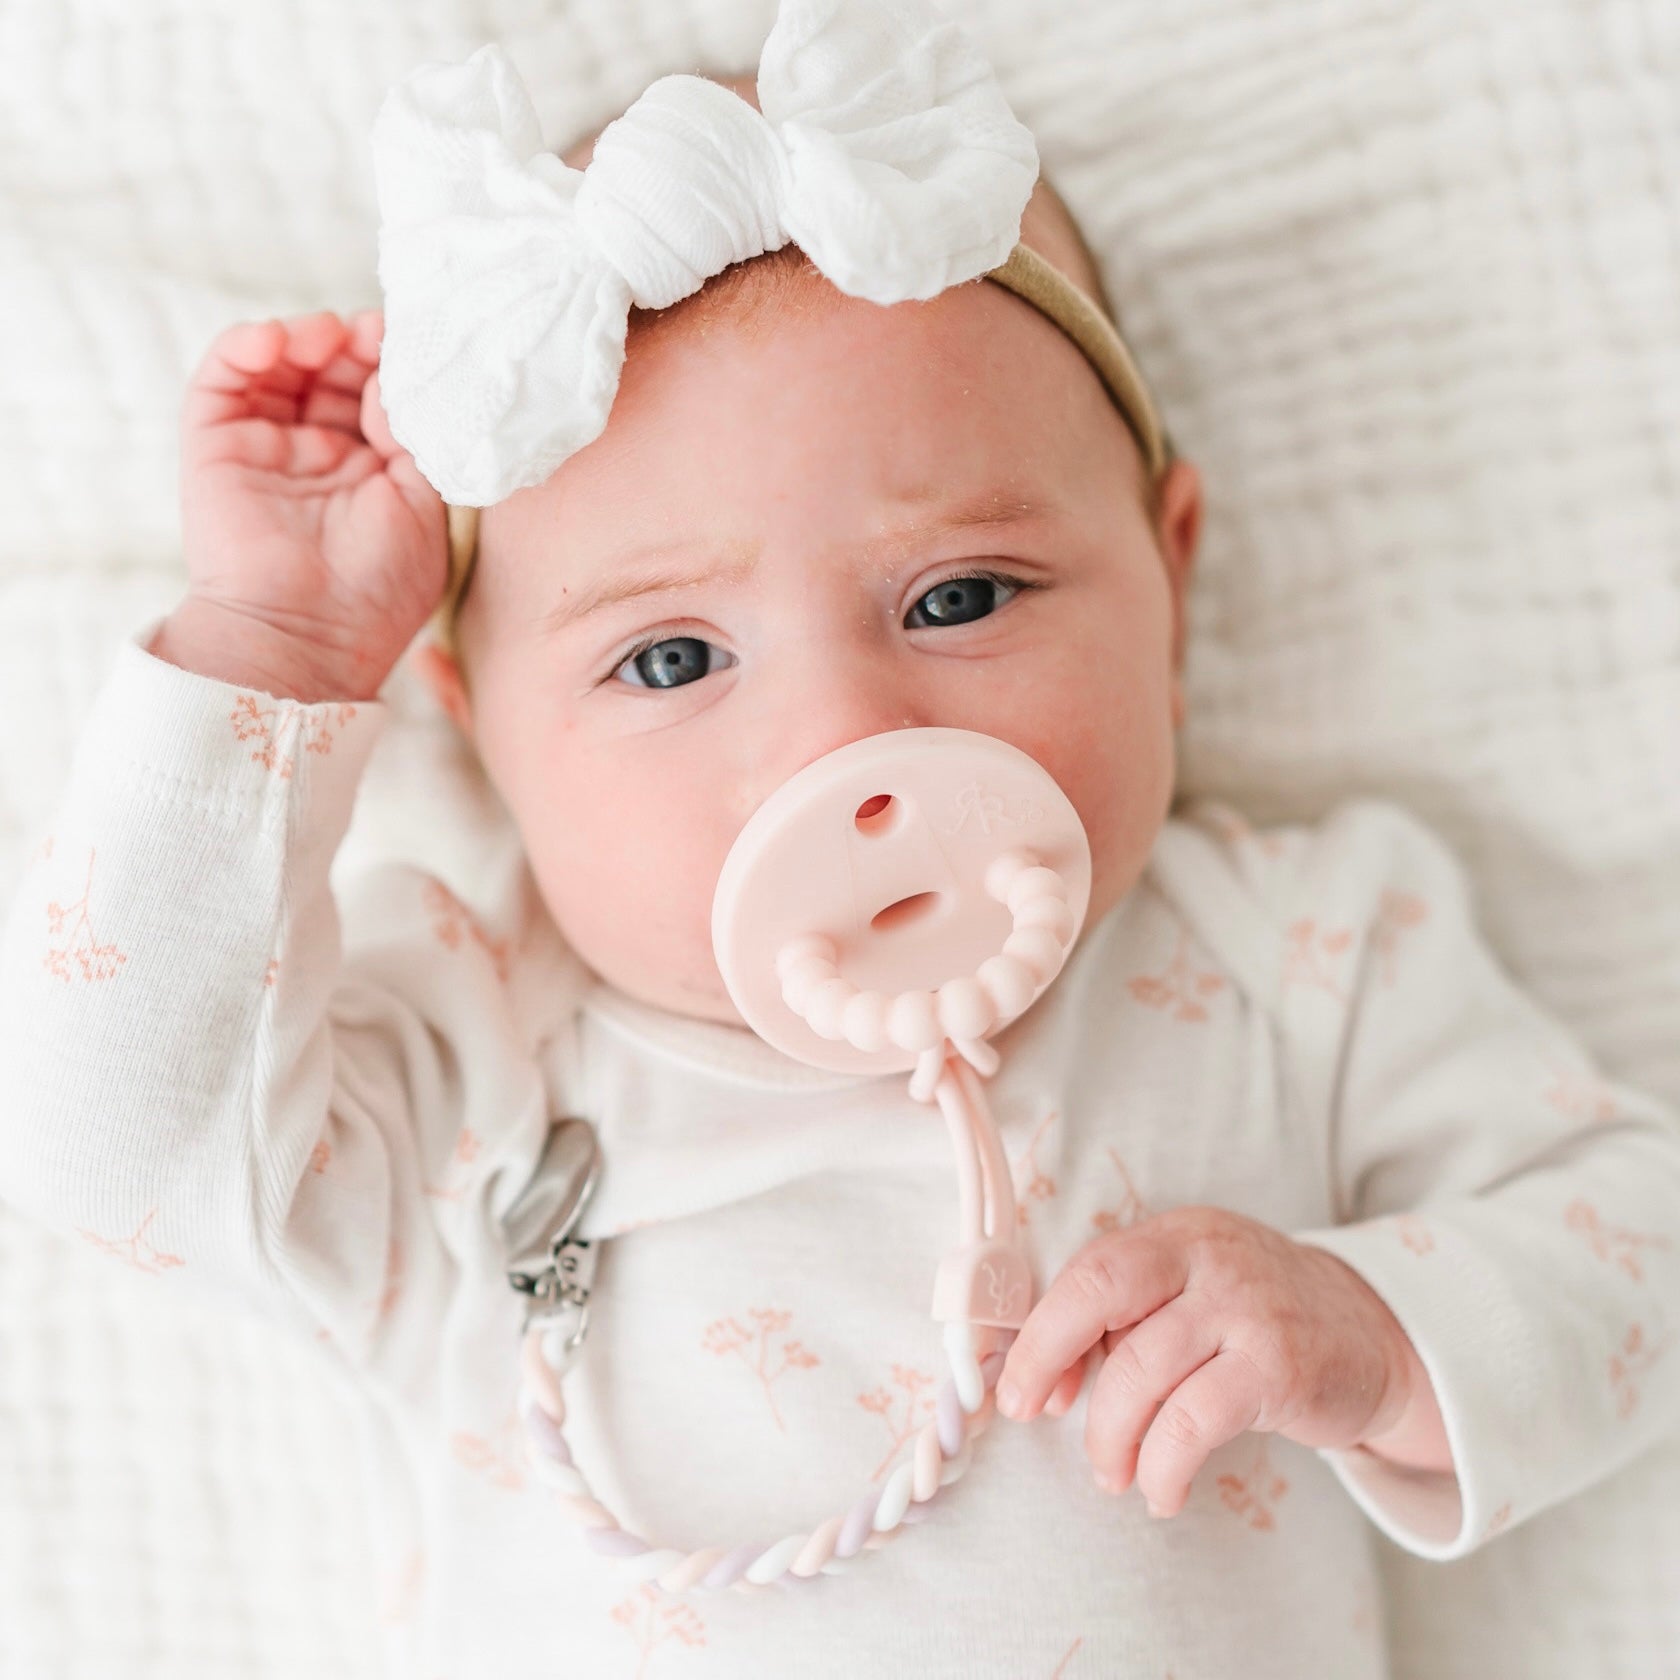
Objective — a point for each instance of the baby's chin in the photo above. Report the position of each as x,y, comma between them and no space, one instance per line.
702,1007
702,999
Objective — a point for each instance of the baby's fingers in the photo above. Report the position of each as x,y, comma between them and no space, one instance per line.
220,386
312,341
367,330
1144,1367
1066,1391
1112,1283
399,464
320,376
348,370
1213,1405
261,368
375,427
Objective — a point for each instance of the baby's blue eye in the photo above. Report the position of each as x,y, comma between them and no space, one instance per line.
958,600
677,661
671,663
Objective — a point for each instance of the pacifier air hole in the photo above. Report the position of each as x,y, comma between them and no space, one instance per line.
912,909
878,816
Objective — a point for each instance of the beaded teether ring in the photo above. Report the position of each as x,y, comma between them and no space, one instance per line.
847,903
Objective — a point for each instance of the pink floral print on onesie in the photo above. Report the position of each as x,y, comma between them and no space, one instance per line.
1129,1210
454,924
1237,831
1628,1365
729,1335
1580,1096
134,1250
499,1458
1032,1183
1611,1242
917,1393
465,1152
1397,915
1179,987
653,1619
78,953
252,720
1256,1493
1315,957
1413,1233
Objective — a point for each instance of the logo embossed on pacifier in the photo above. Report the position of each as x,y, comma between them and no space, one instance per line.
993,810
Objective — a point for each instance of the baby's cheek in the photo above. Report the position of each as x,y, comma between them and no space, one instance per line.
610,862
1116,766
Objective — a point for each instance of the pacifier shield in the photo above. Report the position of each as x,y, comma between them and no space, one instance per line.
882,848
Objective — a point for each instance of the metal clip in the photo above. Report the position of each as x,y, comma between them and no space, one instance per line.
554,1268
559,1286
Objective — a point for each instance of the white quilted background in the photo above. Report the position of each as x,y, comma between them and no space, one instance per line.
1406,277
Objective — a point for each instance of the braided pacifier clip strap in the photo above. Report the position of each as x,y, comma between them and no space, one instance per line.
982,1291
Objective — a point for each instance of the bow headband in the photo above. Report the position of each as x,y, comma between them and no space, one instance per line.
884,149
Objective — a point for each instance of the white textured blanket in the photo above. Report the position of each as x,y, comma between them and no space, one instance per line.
1406,277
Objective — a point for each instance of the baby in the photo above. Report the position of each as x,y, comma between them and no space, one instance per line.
1336,1232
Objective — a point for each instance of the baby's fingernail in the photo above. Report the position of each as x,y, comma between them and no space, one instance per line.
1154,1510
1008,1398
1109,1484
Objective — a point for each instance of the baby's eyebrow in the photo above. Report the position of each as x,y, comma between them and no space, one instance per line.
655,570
620,581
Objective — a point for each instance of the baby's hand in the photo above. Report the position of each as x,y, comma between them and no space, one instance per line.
1214,1324
307,529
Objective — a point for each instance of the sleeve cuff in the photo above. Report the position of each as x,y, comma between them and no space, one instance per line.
1461,1336
219,739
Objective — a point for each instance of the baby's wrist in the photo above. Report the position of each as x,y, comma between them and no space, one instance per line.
1407,1428
214,640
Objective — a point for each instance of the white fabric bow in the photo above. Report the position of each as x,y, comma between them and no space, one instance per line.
885,150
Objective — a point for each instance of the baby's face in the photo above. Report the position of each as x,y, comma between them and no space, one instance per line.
811,519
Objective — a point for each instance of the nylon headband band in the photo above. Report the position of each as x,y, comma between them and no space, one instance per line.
1053,295
1031,278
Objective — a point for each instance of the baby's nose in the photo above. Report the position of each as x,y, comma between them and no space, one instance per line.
844,699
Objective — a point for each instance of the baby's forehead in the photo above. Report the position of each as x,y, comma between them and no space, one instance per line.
762,390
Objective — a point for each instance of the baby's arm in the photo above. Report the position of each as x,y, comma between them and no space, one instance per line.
1518,1213
195,1081
1493,1329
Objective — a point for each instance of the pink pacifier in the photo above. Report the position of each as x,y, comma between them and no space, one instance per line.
886,910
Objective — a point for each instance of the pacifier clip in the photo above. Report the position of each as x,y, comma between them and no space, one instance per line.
957,795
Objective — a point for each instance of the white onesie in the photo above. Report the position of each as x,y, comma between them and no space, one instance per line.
213,1075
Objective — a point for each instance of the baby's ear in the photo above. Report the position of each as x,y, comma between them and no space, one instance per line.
442,676
1178,529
